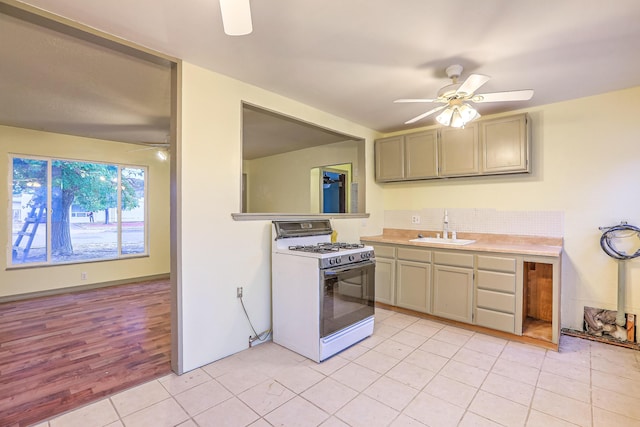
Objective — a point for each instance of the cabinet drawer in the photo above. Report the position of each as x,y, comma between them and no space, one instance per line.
496,301
503,282
414,254
457,260
384,251
496,263
495,320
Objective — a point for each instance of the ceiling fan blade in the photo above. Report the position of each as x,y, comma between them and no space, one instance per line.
514,95
423,115
405,100
472,83
236,17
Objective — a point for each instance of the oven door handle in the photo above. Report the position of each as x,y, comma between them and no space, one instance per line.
336,271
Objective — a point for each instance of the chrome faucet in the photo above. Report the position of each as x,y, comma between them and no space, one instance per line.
445,225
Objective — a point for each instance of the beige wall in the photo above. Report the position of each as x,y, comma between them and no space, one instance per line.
586,163
17,281
220,254
273,180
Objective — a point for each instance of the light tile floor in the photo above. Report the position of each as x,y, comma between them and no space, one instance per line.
411,372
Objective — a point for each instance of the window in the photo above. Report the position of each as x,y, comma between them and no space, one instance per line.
68,211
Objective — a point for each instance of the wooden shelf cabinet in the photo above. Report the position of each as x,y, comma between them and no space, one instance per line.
541,297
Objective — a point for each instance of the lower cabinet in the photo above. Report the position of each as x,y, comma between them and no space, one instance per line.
479,288
413,279
496,297
453,292
385,274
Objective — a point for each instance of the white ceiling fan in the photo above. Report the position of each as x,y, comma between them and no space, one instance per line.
236,17
161,148
455,97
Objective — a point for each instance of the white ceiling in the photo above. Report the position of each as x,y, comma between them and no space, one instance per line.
352,58
56,82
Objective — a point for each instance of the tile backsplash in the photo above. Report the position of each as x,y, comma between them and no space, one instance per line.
492,221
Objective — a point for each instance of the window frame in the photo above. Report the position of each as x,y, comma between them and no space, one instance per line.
119,241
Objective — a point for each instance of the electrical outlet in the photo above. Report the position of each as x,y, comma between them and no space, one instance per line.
83,275
415,219
239,292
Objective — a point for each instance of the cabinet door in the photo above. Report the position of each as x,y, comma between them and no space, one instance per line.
505,145
421,155
385,281
459,151
453,292
390,159
413,284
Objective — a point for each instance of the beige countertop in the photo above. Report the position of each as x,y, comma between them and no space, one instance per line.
500,243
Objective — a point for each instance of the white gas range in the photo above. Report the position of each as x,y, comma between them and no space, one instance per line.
323,292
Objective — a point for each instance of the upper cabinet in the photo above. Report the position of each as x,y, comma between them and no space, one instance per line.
485,147
421,155
390,159
407,157
459,151
505,145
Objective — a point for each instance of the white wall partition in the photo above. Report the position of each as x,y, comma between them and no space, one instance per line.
219,254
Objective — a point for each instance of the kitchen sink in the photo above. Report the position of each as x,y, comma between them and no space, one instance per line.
438,240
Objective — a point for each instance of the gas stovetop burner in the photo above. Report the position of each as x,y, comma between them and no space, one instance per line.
319,248
326,247
350,245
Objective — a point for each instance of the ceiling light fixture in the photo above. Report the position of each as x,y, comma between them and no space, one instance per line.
162,155
457,114
236,17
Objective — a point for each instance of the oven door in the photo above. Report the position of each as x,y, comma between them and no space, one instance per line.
346,296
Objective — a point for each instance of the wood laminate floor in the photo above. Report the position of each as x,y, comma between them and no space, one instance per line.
63,351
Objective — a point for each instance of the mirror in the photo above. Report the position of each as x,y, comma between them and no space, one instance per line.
291,166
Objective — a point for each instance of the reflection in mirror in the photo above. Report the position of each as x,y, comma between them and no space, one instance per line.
287,163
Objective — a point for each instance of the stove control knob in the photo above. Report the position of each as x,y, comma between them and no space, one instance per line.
351,258
338,260
331,261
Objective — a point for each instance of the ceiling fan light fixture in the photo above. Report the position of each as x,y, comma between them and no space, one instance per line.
468,113
444,118
455,112
457,116
236,17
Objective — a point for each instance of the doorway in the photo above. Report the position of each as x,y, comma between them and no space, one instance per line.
334,194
